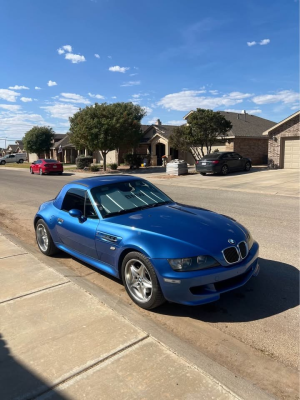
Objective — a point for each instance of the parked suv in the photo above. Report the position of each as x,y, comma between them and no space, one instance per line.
13,158
222,163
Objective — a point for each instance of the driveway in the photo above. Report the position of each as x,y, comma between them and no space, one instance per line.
259,180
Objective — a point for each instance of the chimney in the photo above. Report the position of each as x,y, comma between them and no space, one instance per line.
244,112
158,122
238,116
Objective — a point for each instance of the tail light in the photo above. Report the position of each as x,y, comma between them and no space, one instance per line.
215,162
197,162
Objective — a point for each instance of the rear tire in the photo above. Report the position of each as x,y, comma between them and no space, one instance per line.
60,173
44,239
224,170
203,173
21,161
140,281
247,166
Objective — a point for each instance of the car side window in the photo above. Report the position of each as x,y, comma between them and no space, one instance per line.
79,199
74,199
38,162
225,156
11,156
236,155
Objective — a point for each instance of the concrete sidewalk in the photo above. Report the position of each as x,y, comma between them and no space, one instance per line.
59,342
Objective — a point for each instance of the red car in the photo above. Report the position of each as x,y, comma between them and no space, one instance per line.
46,166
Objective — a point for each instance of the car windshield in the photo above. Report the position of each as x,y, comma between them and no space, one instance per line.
123,197
50,161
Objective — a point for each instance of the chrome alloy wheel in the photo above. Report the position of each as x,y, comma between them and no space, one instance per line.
138,280
42,237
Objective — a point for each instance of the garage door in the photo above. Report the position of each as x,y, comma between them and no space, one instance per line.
292,154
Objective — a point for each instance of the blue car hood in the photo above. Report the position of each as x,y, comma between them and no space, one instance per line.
194,226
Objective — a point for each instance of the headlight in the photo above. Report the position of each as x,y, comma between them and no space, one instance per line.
193,264
250,240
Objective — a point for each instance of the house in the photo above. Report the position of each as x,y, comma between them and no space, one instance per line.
52,154
245,137
284,144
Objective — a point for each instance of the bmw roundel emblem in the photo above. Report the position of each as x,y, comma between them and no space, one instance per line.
231,241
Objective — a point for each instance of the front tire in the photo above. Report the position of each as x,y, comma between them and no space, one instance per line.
224,170
31,171
3,162
140,281
41,171
247,166
44,239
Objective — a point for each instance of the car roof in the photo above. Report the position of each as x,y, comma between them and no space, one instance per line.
94,181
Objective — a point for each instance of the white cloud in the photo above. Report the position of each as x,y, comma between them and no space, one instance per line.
136,96
131,83
62,111
251,44
37,88
65,48
284,96
74,98
15,123
26,99
9,95
16,87
148,110
133,74
109,57
296,107
10,107
75,58
97,55
52,83
176,122
96,96
117,68
114,97
190,99
255,111
264,42
214,92
152,120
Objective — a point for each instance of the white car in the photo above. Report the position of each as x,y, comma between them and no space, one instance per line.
13,158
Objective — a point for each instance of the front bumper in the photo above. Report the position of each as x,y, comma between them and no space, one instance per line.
200,287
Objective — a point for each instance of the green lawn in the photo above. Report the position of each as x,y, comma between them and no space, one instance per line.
15,165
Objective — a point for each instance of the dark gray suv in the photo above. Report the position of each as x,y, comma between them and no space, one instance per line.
222,163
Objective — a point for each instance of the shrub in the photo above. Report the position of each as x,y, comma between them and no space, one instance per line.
83,161
134,160
113,166
216,151
94,168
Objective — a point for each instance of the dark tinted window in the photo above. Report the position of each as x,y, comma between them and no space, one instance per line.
212,156
74,199
236,155
226,156
78,199
50,161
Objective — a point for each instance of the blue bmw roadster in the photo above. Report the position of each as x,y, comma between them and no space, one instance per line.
160,249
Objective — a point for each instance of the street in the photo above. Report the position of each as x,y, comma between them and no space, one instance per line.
251,330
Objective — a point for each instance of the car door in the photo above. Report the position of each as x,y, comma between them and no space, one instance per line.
36,166
75,234
238,161
11,158
226,159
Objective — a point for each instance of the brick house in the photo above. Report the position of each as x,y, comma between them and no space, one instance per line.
284,143
245,137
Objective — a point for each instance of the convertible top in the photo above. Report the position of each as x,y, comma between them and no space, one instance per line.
90,183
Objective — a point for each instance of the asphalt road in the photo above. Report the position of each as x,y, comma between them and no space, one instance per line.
256,324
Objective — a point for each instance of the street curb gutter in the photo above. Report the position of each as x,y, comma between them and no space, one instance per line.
236,386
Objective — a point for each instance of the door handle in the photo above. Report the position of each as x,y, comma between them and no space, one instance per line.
60,221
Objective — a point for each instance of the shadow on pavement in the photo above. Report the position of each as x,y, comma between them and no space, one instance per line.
18,382
253,170
275,290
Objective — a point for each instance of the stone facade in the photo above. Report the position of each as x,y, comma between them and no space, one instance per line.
254,148
290,128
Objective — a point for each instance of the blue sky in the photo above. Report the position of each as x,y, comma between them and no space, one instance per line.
169,56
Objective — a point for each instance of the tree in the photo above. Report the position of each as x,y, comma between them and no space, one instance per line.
38,139
106,127
203,128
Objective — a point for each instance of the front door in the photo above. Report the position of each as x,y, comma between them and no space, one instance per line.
160,151
237,162
75,234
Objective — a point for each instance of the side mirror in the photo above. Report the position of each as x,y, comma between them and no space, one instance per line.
77,214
